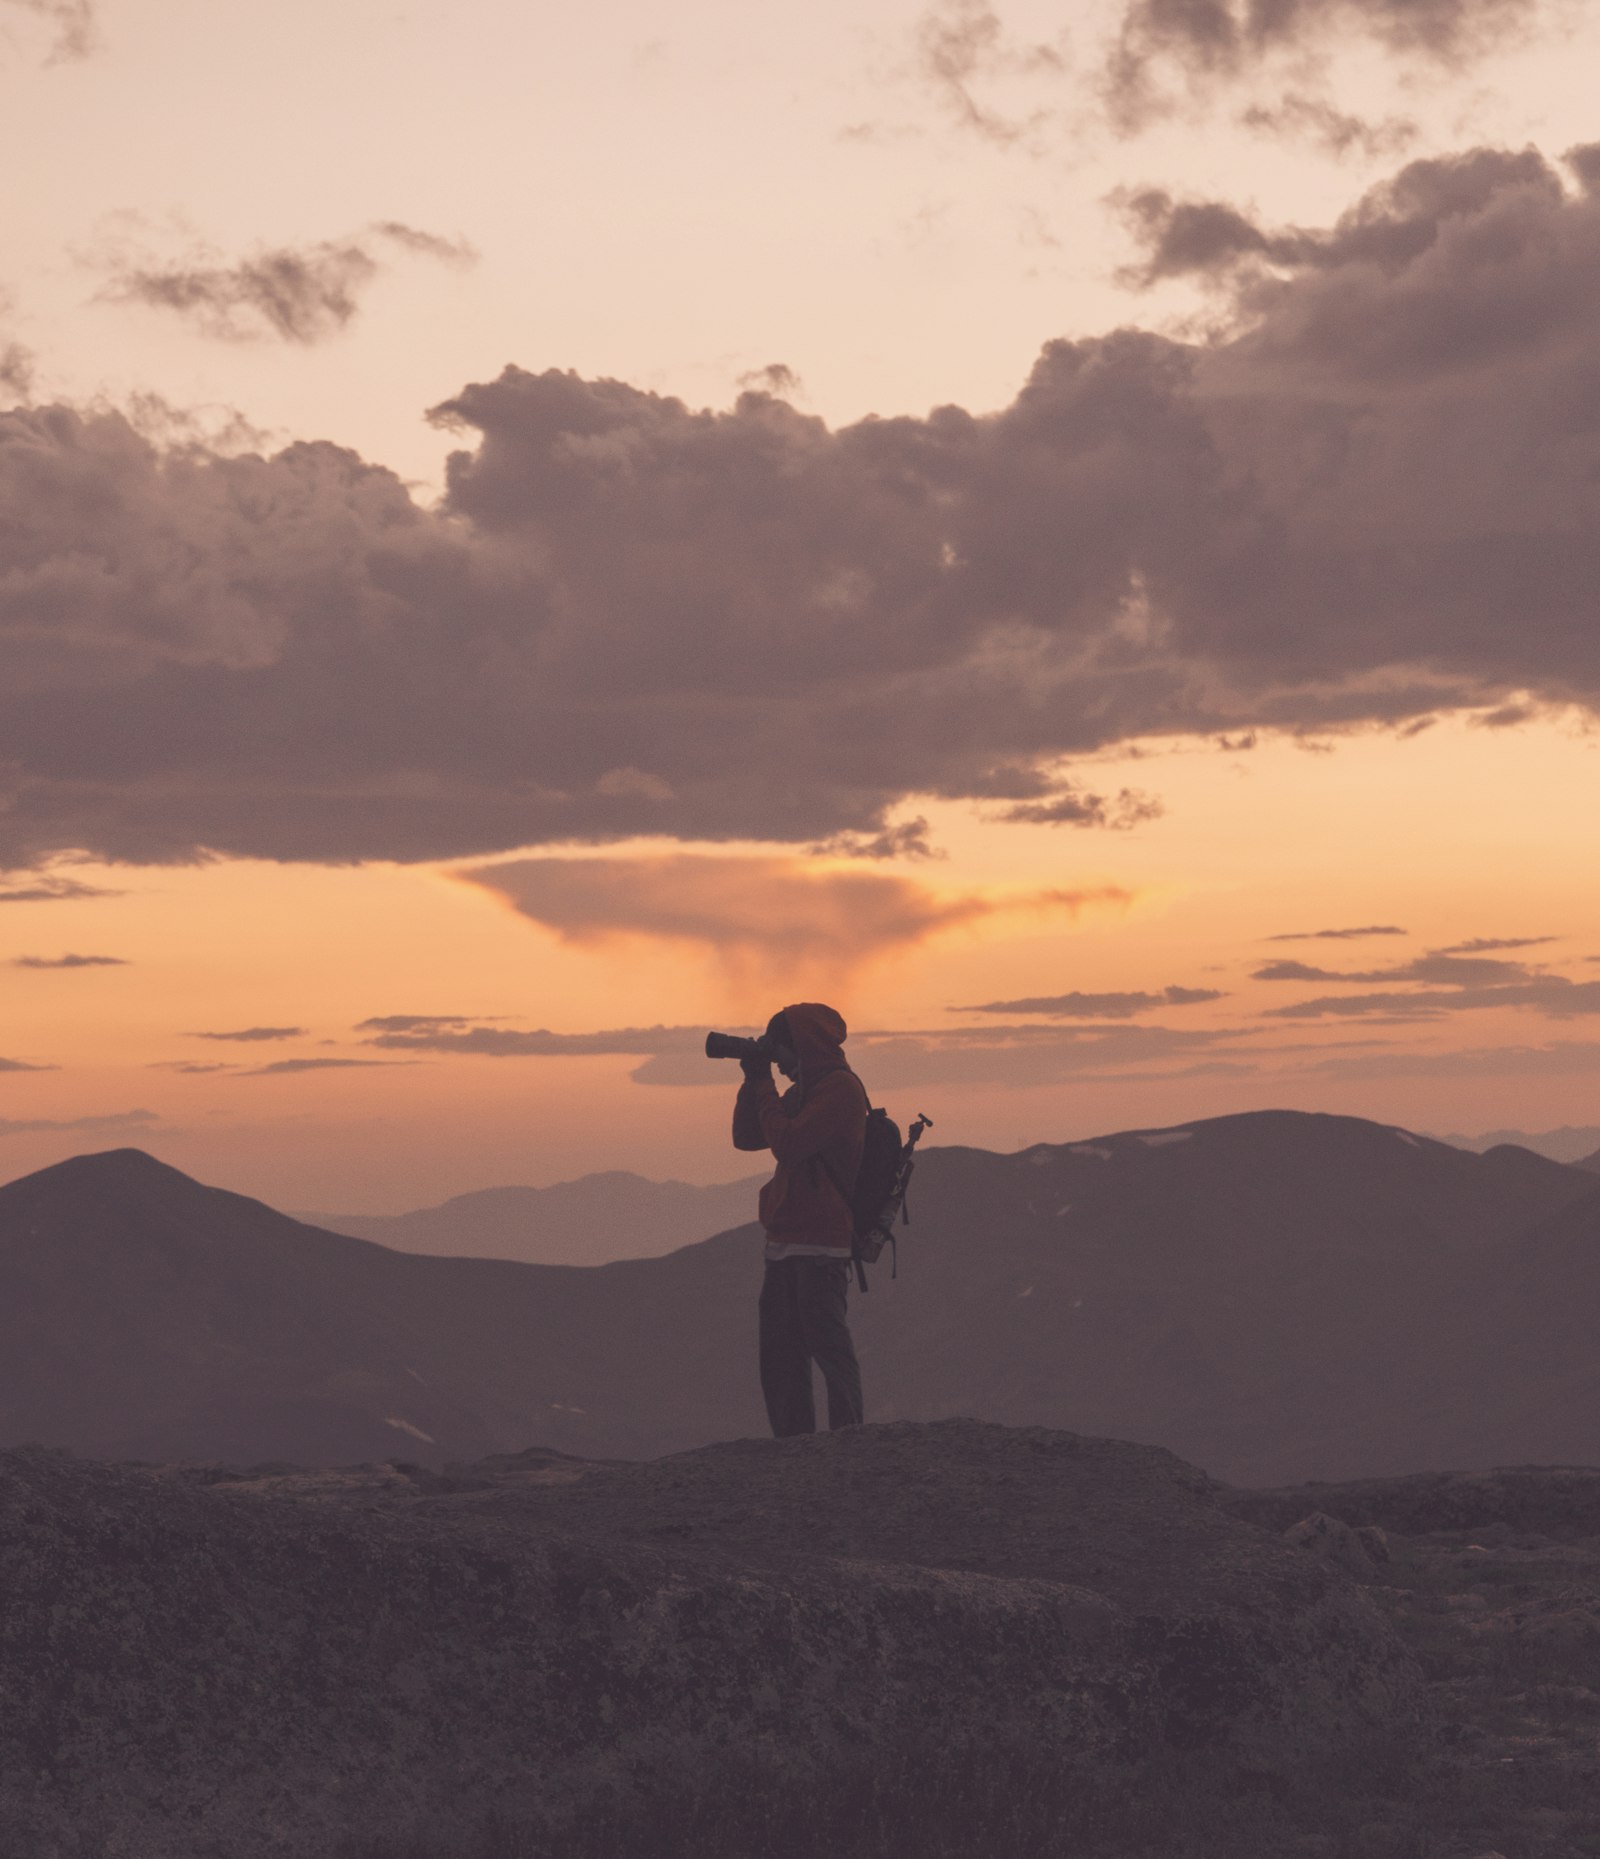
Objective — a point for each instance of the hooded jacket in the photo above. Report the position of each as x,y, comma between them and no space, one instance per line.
819,1124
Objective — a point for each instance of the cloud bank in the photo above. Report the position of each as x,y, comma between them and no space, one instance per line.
1372,501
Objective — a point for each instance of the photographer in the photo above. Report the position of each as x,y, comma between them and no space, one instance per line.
815,1130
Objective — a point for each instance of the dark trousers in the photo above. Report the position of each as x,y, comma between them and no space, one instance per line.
803,1321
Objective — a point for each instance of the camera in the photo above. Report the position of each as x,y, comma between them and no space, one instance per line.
732,1046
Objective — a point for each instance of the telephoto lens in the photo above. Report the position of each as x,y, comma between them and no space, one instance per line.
732,1046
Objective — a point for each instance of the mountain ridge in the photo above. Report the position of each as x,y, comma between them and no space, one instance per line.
1275,1296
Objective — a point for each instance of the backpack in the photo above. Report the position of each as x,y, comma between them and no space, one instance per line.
880,1189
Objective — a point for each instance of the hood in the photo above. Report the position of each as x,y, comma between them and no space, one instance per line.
818,1033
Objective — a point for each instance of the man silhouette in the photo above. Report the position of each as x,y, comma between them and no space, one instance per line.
815,1130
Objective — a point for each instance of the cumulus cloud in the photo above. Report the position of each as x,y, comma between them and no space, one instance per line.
250,1035
771,913
1167,49
301,294
1080,1006
101,1125
68,961
75,21
1319,521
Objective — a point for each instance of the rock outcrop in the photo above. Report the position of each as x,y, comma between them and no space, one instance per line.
199,1662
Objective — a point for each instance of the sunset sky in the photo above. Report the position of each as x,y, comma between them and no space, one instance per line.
1072,533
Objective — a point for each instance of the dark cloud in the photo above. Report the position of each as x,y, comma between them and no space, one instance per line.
68,961
51,890
1078,1006
773,913
287,1068
251,1035
22,1065
962,49
1169,48
75,22
103,1125
627,614
300,294
1339,935
1394,226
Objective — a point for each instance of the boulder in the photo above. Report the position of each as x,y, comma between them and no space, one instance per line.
1336,1543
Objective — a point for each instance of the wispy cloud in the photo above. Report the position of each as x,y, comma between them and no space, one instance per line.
964,52
300,294
52,891
1551,995
68,961
103,1125
1437,967
23,1065
1079,1006
288,1068
1483,945
1339,935
419,1033
76,25
254,1035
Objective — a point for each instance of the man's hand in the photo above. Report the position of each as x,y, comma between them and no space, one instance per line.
756,1069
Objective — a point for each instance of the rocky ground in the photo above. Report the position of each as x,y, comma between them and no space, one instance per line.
941,1641
1493,1581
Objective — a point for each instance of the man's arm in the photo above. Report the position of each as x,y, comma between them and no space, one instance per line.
827,1113
747,1123
747,1131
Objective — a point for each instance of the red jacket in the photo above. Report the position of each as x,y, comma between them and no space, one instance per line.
821,1119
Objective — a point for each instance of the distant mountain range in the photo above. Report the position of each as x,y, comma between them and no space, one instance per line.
615,1215
1579,1144
1275,1296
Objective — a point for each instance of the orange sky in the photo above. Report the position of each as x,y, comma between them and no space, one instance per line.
677,197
